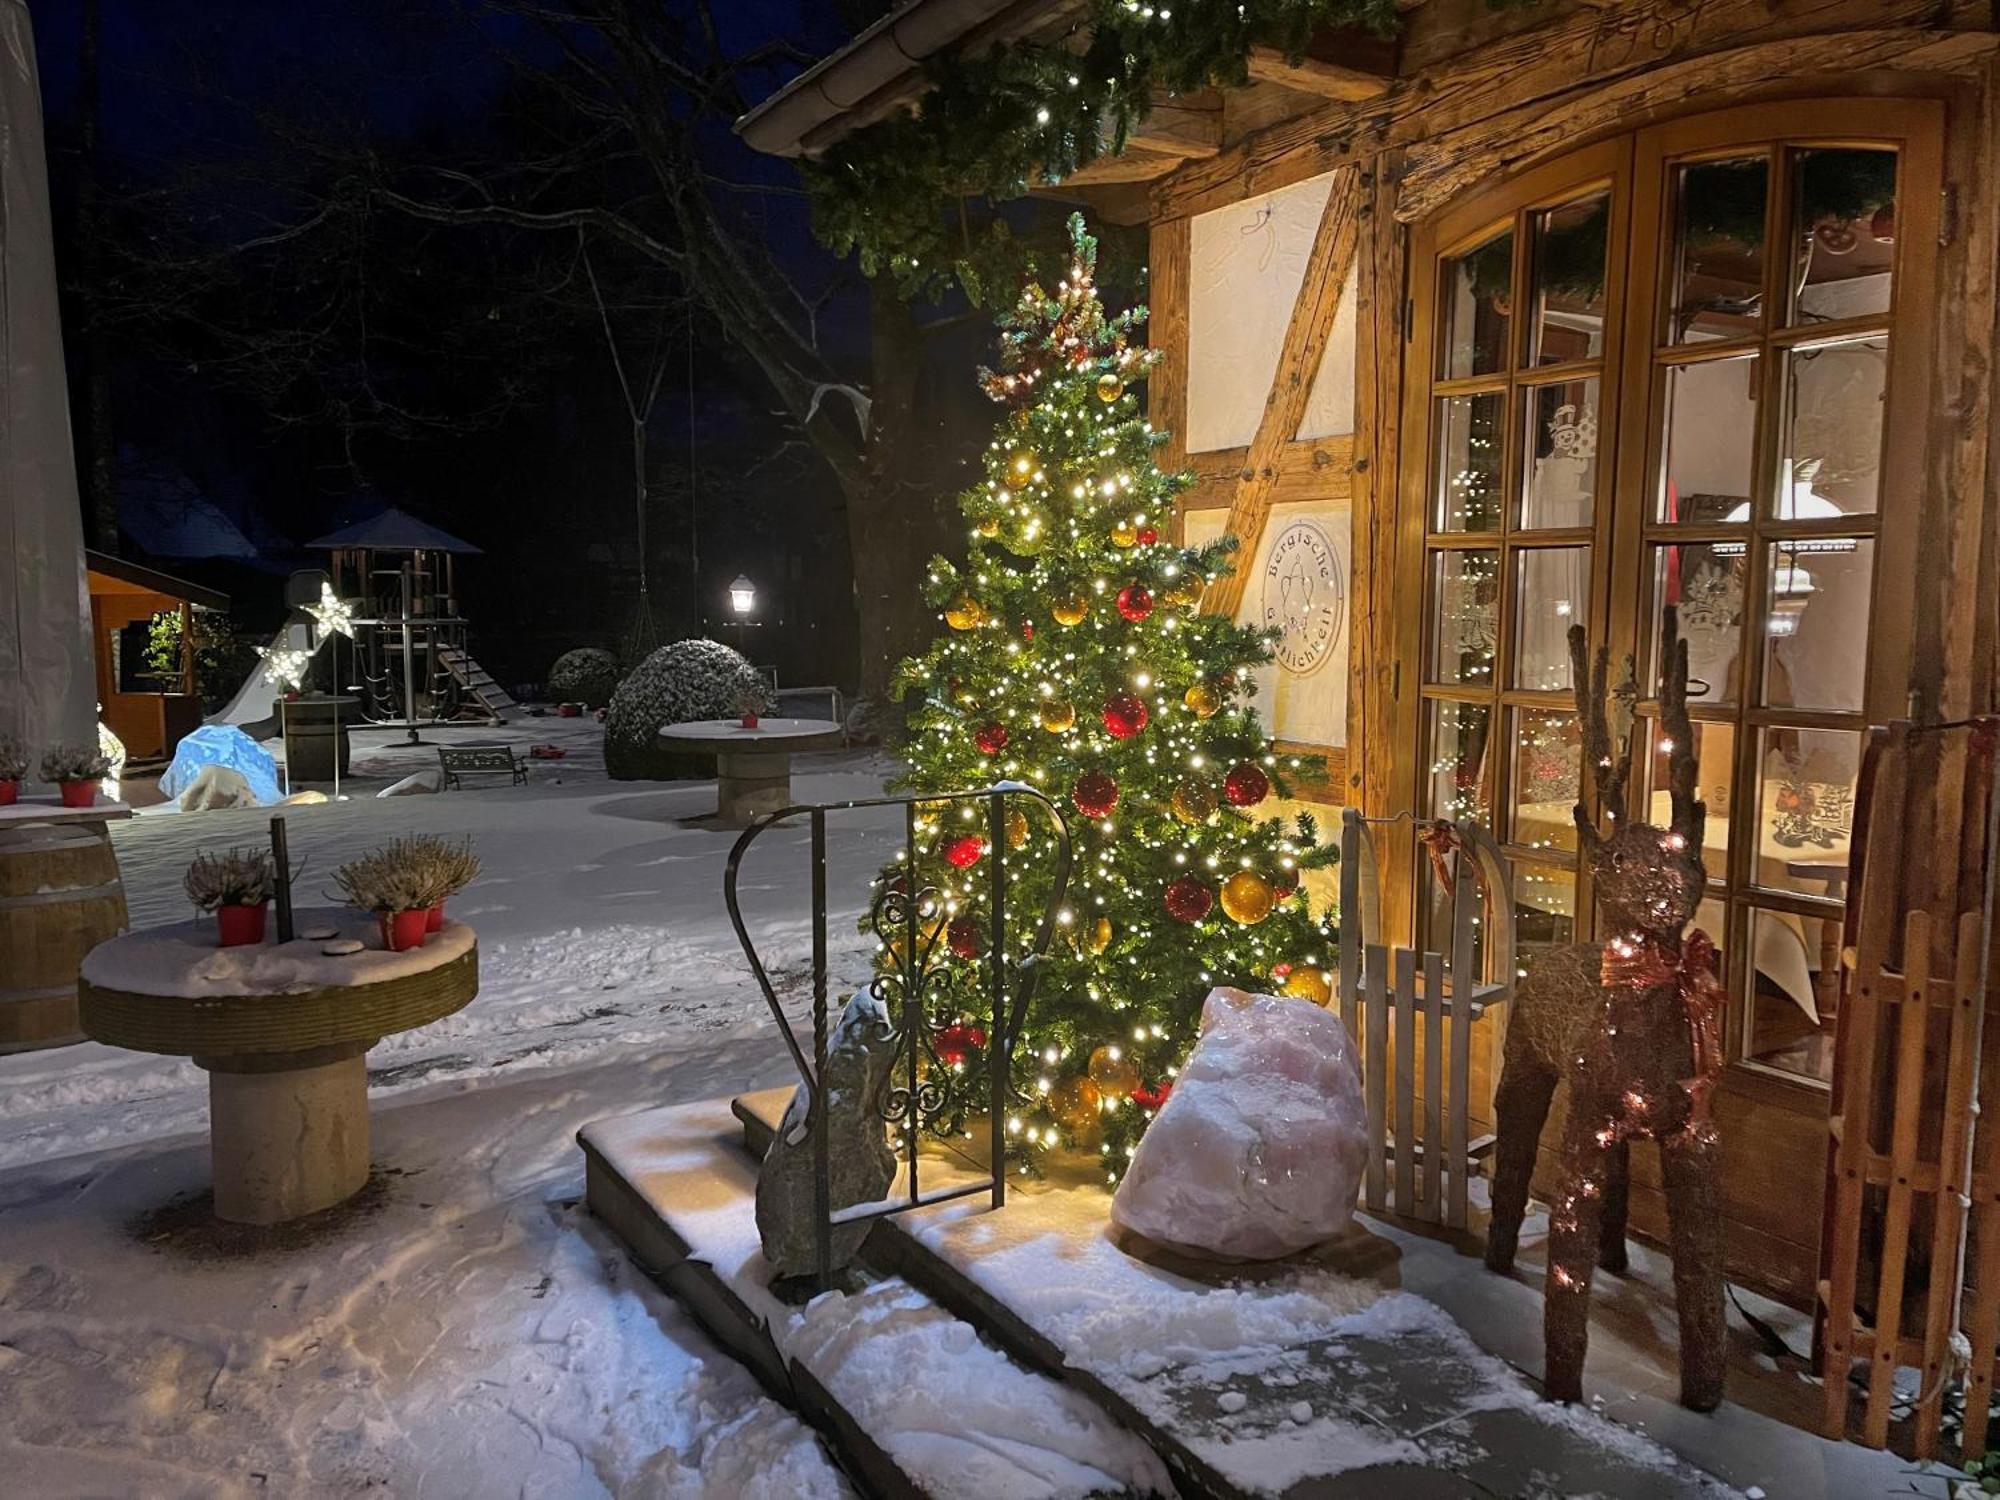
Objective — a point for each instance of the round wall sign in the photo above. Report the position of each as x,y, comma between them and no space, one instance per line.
1305,596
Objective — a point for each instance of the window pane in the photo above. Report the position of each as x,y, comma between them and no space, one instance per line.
1559,479
1465,616
1569,281
1833,430
1705,579
1805,808
1714,773
1468,466
1710,442
1793,992
1816,630
1461,763
1719,250
1544,911
1548,768
1844,233
1476,301
1552,594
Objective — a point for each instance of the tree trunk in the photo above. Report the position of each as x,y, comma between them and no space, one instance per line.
100,445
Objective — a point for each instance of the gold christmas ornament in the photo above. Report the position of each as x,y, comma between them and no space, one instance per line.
989,526
1075,1102
1100,935
1307,983
1017,828
1109,387
1021,469
1247,898
1058,715
1124,534
1203,701
1071,611
1194,802
1115,1075
965,613
1184,592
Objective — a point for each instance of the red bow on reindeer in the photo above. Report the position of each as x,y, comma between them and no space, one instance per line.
1646,964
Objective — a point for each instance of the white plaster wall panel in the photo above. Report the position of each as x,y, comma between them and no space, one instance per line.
1330,408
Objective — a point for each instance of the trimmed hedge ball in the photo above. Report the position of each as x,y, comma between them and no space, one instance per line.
586,675
678,683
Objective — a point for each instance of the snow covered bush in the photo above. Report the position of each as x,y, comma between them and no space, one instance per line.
677,683
586,675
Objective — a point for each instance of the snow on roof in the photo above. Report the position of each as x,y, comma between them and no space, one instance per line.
179,521
394,529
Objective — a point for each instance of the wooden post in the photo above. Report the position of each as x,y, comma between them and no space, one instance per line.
187,648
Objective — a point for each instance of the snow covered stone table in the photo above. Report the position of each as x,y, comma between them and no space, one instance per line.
753,767
283,1031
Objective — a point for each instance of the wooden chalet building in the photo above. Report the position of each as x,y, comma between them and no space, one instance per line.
1564,313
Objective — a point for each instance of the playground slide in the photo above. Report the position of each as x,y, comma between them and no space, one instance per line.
252,703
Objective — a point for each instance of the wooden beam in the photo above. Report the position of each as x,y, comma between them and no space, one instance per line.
1308,469
1167,334
1310,75
1299,358
1179,128
1130,166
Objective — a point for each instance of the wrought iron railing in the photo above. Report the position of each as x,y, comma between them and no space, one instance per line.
923,1088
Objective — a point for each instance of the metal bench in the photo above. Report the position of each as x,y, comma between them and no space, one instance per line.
479,760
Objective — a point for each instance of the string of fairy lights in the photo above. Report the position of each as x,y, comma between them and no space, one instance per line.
1075,660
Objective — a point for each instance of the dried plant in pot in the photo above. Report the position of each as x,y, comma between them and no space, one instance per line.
236,885
76,770
749,705
447,867
393,885
13,769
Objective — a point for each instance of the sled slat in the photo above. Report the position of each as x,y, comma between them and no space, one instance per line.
1437,1159
1406,1079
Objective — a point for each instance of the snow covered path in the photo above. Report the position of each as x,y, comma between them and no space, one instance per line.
463,1328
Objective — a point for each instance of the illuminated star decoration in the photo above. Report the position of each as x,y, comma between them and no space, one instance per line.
286,664
332,613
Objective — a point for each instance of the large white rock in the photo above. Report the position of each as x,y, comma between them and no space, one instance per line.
1259,1150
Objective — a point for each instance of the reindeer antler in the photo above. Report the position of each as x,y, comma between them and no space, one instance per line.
1690,816
1603,747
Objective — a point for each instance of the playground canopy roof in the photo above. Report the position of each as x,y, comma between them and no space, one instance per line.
393,530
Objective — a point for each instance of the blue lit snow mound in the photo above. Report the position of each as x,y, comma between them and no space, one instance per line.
222,745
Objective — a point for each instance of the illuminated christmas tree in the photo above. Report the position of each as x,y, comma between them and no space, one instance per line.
1077,660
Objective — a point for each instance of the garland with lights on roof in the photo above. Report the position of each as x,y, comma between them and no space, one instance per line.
1076,660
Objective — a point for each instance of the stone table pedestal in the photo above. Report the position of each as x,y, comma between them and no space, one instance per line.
753,767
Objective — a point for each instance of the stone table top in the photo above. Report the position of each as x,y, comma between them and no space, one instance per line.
51,810
785,735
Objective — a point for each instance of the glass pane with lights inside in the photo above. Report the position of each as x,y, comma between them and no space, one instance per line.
1832,430
1547,777
1806,781
1792,992
1552,593
1465,616
1816,622
1704,582
1544,911
1718,285
1460,772
1468,462
1843,232
1714,767
1559,469
1475,305
1710,443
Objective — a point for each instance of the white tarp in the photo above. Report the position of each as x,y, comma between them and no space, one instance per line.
1298,584
1246,264
48,688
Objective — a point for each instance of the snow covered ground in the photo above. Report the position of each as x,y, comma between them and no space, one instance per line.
464,1328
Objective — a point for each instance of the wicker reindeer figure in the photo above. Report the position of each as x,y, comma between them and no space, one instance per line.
1632,1022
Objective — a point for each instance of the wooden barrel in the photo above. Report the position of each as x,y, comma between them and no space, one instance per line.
60,896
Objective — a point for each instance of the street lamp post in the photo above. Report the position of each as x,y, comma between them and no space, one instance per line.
742,600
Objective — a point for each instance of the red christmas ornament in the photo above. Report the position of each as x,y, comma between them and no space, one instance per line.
1188,900
956,1042
1094,794
1148,535
990,738
1151,1098
1135,602
963,854
1281,971
1124,715
966,937
1246,785
1027,630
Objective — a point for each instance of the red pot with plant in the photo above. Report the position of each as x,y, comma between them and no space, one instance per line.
13,766
434,918
78,793
403,930
10,791
76,770
240,926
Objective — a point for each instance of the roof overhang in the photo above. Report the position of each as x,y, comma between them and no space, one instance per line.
110,575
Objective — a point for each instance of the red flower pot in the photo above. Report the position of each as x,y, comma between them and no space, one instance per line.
78,793
434,918
10,792
403,930
240,926
569,710
749,721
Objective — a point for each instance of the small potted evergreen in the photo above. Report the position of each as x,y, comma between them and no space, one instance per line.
395,887
13,769
237,887
76,770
